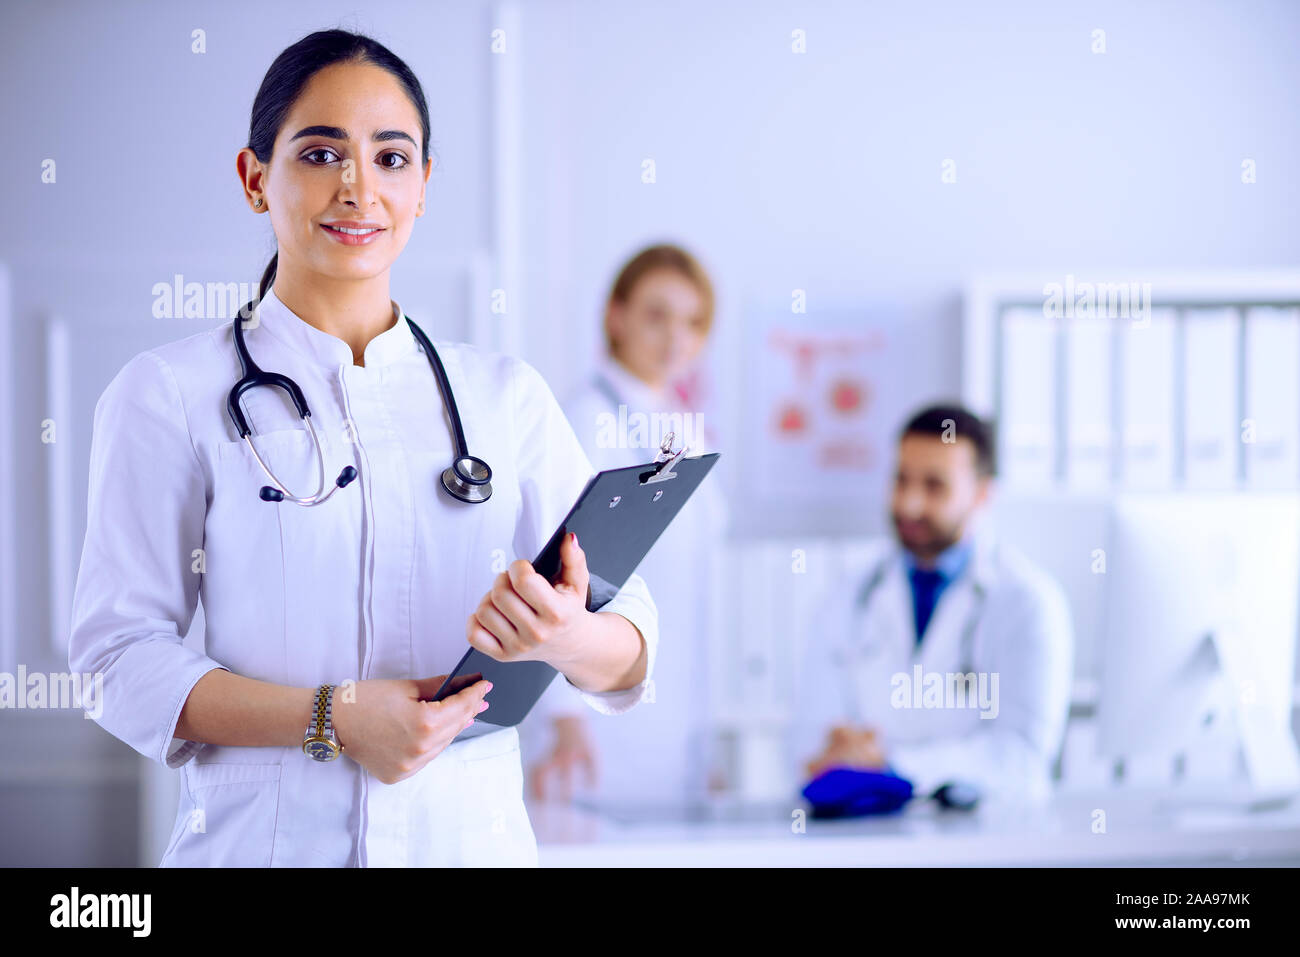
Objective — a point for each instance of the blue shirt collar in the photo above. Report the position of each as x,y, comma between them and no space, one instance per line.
950,563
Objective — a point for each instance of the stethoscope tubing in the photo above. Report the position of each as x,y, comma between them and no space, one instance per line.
874,580
468,479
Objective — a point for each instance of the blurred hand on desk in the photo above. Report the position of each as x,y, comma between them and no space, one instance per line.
572,748
847,746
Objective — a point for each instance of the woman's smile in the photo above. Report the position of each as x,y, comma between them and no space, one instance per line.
352,234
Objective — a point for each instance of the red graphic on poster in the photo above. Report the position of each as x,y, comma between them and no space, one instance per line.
849,396
846,454
791,420
828,373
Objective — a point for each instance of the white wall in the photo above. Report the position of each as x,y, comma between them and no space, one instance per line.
822,170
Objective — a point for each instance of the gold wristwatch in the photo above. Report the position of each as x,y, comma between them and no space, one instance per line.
320,741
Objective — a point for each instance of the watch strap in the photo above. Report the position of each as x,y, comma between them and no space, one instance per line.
322,723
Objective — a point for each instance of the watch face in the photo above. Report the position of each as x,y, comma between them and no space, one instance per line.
320,750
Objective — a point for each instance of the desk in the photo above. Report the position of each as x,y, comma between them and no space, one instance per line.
1141,829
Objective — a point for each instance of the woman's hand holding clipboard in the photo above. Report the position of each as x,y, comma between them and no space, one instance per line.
525,617
618,517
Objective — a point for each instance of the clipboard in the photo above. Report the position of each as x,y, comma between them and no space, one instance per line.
618,517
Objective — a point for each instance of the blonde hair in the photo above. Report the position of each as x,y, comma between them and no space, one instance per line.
651,259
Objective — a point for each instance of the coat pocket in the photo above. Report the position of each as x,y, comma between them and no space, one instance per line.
495,830
229,818
290,454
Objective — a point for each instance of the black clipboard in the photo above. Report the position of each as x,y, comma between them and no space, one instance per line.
618,517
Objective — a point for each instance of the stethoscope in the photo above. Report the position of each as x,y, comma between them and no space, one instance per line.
952,793
468,479
877,576
606,388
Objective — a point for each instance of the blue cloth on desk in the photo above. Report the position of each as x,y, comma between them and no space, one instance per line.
854,792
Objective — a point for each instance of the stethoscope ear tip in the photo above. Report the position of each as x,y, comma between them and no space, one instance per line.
269,494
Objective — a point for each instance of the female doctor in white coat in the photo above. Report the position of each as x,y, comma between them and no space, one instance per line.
658,316
304,730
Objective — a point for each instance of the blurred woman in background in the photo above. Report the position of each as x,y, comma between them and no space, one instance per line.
657,321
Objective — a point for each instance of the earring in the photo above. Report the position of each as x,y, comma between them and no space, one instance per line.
258,204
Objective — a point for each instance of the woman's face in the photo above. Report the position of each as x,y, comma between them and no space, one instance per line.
660,329
349,153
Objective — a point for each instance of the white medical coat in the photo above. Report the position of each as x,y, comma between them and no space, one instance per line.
1021,632
660,753
377,582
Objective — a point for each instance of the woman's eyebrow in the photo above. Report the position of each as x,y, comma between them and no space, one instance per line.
338,133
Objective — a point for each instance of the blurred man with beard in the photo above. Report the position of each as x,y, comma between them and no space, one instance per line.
944,656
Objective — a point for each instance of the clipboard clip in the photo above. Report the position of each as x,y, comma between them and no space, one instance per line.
664,462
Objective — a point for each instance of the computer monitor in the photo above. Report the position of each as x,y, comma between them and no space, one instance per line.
1202,607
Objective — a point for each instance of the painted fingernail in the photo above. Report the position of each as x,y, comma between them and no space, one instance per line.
489,686
483,706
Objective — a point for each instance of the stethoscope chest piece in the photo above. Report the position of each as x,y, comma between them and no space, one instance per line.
468,479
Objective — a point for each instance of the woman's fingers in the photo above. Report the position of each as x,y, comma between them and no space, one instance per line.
497,621
483,640
423,689
393,736
533,590
519,613
464,706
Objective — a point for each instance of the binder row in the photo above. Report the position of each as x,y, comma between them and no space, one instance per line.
1204,397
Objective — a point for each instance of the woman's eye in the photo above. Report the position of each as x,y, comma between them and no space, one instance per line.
326,153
